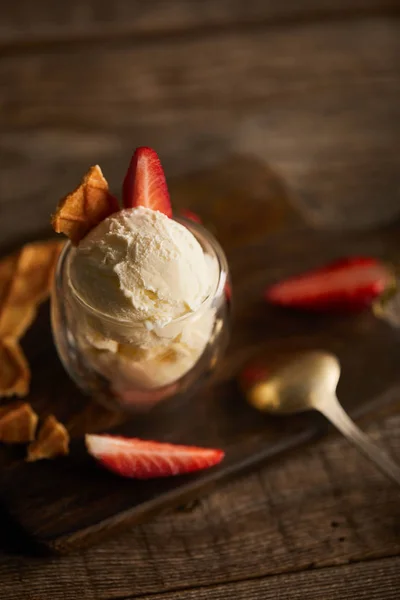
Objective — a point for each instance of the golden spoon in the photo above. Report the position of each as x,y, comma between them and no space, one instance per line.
309,382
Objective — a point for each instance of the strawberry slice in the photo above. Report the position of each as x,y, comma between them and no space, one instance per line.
252,374
228,291
346,285
192,216
143,459
144,183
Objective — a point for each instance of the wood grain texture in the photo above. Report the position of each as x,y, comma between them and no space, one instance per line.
99,503
318,103
48,21
312,90
322,507
376,581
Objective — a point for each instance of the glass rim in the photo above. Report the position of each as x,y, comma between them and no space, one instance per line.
199,231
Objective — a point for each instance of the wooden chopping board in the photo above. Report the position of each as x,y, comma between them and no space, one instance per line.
70,502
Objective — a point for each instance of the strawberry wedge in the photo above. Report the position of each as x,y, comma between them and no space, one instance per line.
252,374
144,183
347,285
143,459
192,216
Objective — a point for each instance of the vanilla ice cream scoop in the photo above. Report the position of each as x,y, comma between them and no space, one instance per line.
138,265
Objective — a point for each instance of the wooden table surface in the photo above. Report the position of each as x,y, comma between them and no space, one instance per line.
312,89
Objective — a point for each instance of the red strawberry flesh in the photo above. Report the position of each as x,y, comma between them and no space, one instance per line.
192,216
252,374
143,459
349,284
228,291
145,184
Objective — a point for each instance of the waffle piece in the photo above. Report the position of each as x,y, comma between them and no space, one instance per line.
25,281
52,441
14,369
85,207
7,269
18,422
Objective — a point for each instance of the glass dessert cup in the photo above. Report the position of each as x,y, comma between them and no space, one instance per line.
127,366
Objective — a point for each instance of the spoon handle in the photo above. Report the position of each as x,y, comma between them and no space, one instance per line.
336,414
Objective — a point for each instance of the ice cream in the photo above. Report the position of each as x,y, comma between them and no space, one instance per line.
146,280
140,300
140,266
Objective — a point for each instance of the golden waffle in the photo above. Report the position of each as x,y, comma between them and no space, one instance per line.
29,284
18,423
85,207
14,369
7,269
52,441
25,282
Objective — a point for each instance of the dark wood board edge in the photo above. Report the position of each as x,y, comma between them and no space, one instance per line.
190,491
176,497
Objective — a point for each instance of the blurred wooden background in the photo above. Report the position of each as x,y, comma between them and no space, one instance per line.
312,89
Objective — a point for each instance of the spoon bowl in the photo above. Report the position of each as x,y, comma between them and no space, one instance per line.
308,382
296,386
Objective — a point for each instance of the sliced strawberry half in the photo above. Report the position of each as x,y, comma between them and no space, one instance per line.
349,284
252,374
143,459
144,183
192,216
228,291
